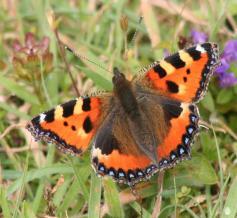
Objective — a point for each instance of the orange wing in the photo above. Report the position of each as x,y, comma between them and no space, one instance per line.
184,75
70,126
109,159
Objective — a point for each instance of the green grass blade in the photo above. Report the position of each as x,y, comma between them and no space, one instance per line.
140,211
62,190
38,196
95,196
78,186
218,204
27,210
97,78
13,110
70,196
82,175
112,198
221,175
4,204
22,183
39,173
18,90
230,209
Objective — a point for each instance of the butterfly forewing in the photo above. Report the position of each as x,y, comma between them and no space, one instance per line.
71,125
184,75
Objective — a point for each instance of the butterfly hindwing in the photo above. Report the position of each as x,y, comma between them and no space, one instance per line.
177,144
115,154
70,126
184,75
110,155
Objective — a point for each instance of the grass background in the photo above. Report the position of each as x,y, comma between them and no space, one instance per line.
38,181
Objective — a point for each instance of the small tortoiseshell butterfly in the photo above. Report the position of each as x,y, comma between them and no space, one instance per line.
144,125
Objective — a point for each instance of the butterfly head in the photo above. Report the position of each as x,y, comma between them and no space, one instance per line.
118,77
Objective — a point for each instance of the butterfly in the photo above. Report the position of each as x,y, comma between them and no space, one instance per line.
144,125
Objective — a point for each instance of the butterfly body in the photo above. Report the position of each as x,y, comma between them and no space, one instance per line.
130,108
144,125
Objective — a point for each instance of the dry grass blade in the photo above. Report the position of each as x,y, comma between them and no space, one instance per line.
125,198
11,127
150,22
51,20
225,127
157,207
176,9
208,126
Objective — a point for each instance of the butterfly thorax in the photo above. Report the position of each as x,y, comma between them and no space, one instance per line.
140,127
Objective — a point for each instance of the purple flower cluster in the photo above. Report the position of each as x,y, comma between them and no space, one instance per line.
29,56
228,57
198,37
32,47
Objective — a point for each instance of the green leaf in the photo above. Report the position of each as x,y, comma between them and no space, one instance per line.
232,7
208,102
201,170
139,210
13,110
97,78
18,90
230,209
208,146
11,174
95,196
39,173
51,83
112,198
224,96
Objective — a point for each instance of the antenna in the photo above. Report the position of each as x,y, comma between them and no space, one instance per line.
84,58
93,62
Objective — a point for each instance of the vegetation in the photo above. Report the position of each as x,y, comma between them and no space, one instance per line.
38,181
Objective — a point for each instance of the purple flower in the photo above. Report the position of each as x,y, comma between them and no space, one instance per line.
230,51
223,67
166,52
28,57
198,37
229,56
32,47
227,79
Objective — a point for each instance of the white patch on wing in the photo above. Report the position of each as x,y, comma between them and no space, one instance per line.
42,117
96,152
200,48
